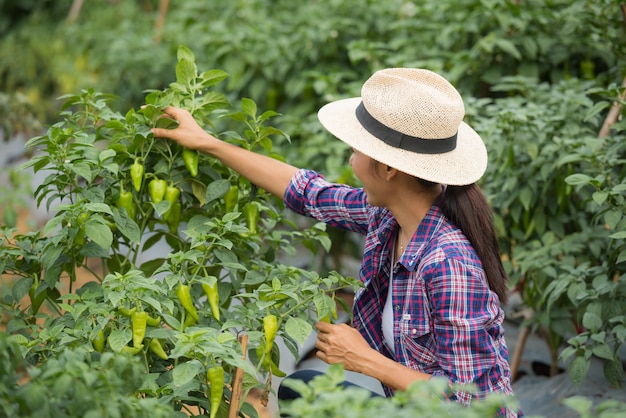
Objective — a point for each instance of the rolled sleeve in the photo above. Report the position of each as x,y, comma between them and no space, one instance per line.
340,206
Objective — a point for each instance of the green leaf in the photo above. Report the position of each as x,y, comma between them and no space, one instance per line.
614,372
577,369
199,191
592,321
186,72
600,197
509,47
184,52
298,329
106,154
324,305
185,372
127,226
618,235
525,197
119,338
83,170
612,218
212,77
578,179
50,255
98,207
603,351
579,404
21,288
216,189
99,233
249,106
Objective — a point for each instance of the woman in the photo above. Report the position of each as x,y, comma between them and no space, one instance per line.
433,279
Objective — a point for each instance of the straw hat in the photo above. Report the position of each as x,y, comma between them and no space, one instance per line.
411,120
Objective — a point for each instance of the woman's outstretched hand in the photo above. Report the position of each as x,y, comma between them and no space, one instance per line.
268,173
188,133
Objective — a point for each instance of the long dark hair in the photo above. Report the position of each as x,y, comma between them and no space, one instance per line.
468,209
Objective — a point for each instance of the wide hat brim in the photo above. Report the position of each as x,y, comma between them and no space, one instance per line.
464,165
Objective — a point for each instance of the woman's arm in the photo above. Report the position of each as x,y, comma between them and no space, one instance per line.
266,172
345,345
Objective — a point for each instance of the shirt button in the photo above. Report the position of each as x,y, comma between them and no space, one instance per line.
397,307
413,331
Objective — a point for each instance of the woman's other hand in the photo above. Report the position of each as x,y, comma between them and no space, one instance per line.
342,344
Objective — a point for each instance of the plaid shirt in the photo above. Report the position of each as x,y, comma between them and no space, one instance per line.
447,323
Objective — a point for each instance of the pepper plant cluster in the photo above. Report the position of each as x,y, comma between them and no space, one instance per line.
118,196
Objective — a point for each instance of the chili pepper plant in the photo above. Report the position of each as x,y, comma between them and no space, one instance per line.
117,196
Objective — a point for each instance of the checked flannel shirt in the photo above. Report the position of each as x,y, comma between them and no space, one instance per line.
447,323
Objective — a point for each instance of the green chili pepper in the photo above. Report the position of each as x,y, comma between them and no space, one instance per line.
189,322
171,195
136,174
215,376
214,298
270,327
132,350
183,292
157,187
190,157
99,341
125,201
173,217
153,322
139,323
230,198
251,213
36,299
268,362
157,348
79,239
126,312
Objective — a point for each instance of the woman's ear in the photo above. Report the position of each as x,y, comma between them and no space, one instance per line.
390,173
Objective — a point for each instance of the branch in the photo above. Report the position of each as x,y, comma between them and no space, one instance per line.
160,20
613,114
74,11
237,385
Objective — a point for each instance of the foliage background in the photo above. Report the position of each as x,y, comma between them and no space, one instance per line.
538,77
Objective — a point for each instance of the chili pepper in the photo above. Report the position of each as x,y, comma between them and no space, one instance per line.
251,213
190,157
138,320
98,341
36,299
153,322
183,292
268,363
275,370
189,322
136,174
79,239
126,312
173,217
270,327
215,376
132,350
171,195
125,201
157,348
157,187
213,297
230,198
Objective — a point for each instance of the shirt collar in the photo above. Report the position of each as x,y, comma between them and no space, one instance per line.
427,229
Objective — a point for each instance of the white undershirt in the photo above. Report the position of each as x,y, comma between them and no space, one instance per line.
387,322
